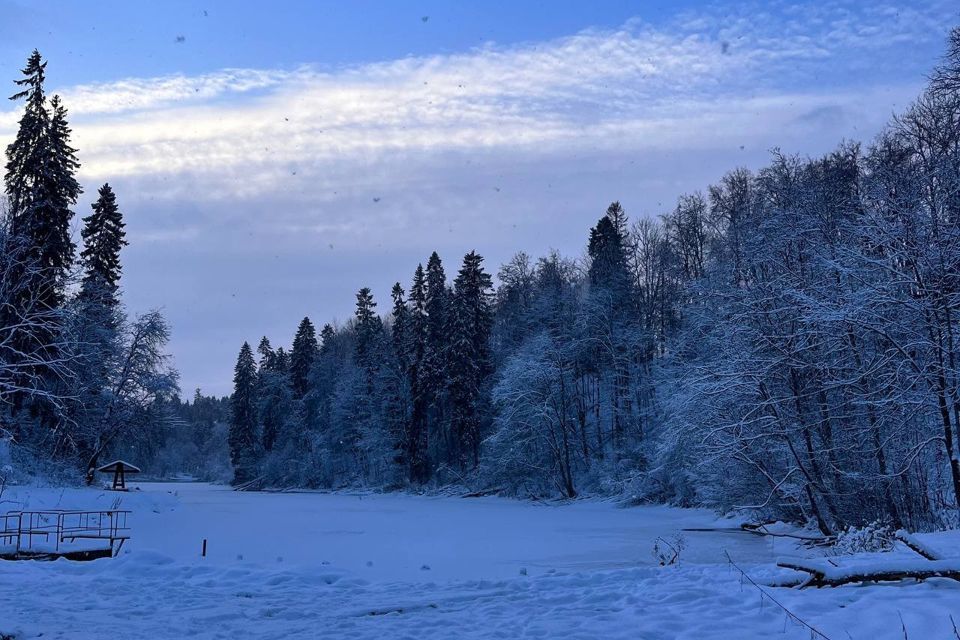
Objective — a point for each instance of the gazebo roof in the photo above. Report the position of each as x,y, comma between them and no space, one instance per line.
118,464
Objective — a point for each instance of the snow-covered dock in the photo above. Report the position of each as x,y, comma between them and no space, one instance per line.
63,533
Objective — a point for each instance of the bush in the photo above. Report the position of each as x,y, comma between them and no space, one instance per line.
870,538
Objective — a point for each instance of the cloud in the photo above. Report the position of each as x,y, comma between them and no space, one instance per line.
254,196
636,86
141,94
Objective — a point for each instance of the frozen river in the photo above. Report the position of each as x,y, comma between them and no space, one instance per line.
395,536
385,566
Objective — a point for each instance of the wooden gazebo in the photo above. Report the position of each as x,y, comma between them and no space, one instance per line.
119,469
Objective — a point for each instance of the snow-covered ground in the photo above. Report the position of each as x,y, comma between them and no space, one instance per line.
310,565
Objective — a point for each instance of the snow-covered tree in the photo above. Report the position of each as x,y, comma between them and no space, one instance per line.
244,438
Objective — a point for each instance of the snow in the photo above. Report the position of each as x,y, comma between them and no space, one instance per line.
918,545
313,565
851,569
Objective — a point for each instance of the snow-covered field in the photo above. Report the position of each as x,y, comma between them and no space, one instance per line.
310,565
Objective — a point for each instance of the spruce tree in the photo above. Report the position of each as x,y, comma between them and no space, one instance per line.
433,372
274,395
98,320
29,153
400,327
471,322
609,271
267,354
397,380
243,438
40,185
282,361
418,440
608,256
610,314
368,328
302,357
59,248
103,238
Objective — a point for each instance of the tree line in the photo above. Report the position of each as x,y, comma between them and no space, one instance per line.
783,342
77,375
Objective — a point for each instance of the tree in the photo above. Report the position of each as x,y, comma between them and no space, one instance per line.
98,318
244,438
138,386
31,340
368,329
40,187
608,258
609,322
418,441
103,238
40,182
470,350
302,357
433,370
274,395
397,382
399,326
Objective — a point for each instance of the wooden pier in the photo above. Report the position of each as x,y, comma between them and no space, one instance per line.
51,534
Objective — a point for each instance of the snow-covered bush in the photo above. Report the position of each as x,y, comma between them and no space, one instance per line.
870,538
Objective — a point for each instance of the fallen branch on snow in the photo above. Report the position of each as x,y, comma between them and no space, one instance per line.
920,547
823,574
483,493
760,530
253,485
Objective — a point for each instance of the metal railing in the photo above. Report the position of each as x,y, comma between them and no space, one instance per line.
50,531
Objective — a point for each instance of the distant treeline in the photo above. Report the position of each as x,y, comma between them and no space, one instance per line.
784,342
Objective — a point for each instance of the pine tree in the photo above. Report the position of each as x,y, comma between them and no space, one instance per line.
302,357
267,354
609,269
400,327
274,395
59,248
40,184
608,314
29,153
418,440
103,237
368,328
367,403
323,377
282,362
472,319
433,372
98,320
397,383
40,187
243,438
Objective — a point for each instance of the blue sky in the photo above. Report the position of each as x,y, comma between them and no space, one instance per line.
272,159
118,39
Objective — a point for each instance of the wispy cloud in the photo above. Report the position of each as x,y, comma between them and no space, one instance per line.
635,86
349,174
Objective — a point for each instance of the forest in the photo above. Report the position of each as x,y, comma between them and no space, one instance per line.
781,342
78,375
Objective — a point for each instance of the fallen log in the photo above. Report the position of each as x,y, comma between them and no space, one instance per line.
822,574
252,485
483,493
759,530
916,545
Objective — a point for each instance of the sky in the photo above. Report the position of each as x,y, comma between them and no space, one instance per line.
272,159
